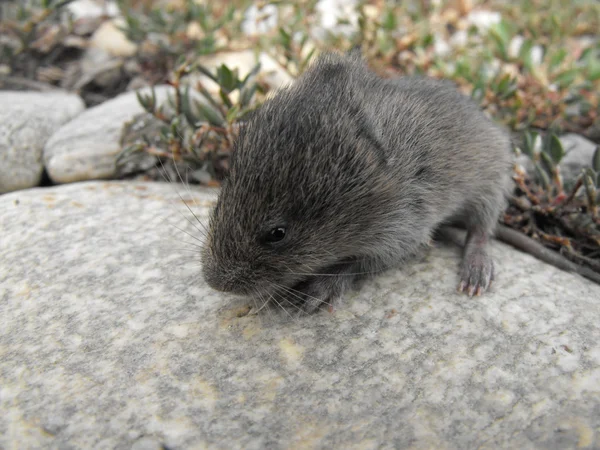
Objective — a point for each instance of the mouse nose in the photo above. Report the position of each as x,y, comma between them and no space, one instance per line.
230,281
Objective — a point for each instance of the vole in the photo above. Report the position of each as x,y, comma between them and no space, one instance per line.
345,174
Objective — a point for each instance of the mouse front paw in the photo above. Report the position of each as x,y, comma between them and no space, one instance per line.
317,292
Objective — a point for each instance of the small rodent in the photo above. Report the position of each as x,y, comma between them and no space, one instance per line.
346,174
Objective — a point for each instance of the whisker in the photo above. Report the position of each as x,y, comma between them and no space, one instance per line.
298,294
189,234
190,194
289,302
183,201
330,274
279,304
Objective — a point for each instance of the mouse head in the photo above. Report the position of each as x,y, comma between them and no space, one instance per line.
305,190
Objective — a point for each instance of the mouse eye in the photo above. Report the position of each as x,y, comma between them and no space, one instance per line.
276,234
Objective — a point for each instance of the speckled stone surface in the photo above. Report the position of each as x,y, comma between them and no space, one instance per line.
110,339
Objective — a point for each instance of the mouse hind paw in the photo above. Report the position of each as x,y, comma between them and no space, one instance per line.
477,268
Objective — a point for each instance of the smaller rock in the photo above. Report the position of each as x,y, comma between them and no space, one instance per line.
111,39
85,148
260,20
272,72
27,120
515,46
579,153
85,9
337,17
483,19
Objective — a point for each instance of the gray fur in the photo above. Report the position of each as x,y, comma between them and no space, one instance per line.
362,171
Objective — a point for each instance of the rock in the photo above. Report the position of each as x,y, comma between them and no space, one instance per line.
515,46
482,19
111,39
337,17
579,152
27,120
260,20
85,148
245,60
109,334
86,9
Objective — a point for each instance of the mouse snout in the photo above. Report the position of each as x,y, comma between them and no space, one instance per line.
233,281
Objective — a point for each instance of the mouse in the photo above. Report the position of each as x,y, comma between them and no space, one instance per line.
345,174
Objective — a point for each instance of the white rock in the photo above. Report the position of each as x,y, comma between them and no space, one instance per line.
260,20
440,46
27,120
330,13
515,46
110,338
271,71
483,19
459,39
93,8
537,55
85,148
111,39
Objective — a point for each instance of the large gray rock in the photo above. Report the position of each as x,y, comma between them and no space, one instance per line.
27,120
85,148
110,339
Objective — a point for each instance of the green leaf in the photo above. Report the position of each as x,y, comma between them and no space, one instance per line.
148,102
186,108
428,40
555,149
542,176
590,189
525,53
250,74
207,72
478,92
225,98
389,21
213,116
232,114
593,70
286,38
596,159
547,163
500,34
226,78
207,95
557,58
565,78
306,60
529,144
586,54
246,95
